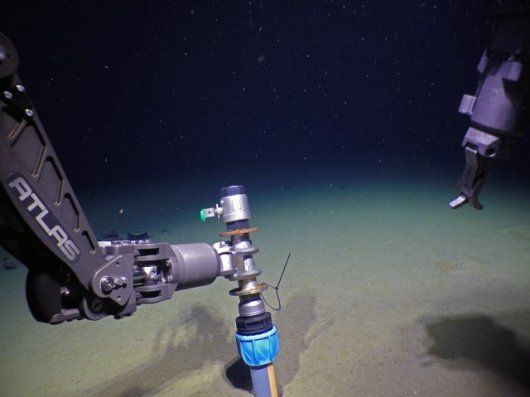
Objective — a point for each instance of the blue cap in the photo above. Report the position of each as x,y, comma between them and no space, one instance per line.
260,349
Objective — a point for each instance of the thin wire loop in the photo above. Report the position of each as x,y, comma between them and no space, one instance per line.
277,288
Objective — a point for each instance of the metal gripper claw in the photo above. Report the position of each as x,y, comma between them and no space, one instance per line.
472,179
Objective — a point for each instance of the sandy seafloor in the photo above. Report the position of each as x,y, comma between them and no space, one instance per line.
388,293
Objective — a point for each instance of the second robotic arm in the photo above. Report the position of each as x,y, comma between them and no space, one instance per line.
499,109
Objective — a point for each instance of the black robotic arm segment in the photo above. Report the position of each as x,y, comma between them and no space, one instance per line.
499,110
72,275
43,224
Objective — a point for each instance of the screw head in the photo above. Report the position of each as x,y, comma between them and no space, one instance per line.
8,95
20,88
29,112
107,284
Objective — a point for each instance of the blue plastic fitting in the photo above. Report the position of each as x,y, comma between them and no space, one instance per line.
260,349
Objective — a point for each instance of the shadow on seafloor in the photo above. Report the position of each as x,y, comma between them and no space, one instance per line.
172,361
478,341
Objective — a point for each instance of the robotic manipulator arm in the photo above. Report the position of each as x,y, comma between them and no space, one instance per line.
499,109
72,275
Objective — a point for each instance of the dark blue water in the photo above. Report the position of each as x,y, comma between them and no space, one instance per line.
157,89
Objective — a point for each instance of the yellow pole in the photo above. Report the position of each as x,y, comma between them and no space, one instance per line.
272,381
